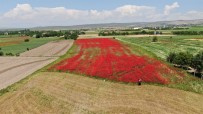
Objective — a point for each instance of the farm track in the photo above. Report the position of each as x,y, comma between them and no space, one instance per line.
61,50
68,93
51,49
14,69
10,68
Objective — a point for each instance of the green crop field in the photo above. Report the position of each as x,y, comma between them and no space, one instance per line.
196,28
22,46
167,44
8,36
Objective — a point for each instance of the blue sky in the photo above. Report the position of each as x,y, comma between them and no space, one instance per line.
30,13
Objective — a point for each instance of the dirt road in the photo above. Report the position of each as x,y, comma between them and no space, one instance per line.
51,49
13,69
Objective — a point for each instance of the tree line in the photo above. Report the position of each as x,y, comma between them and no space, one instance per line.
187,32
69,34
115,33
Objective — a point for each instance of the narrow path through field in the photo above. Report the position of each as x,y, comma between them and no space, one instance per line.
14,69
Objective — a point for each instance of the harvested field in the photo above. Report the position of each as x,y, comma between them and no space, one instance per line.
54,48
14,69
12,41
59,93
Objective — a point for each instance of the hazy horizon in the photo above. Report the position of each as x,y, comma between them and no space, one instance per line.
26,14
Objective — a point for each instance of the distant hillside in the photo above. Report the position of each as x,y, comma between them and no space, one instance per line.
121,25
124,25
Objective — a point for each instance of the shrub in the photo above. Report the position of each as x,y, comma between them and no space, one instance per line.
154,39
1,53
66,37
26,40
171,57
9,54
17,54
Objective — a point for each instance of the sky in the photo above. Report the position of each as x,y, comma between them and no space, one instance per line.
33,13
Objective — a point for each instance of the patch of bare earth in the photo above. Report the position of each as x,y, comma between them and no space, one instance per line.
67,93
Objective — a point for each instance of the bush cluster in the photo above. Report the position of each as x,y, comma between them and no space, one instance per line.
187,59
1,53
26,40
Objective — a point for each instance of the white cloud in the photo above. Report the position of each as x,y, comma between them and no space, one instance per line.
42,16
24,15
132,10
20,9
169,8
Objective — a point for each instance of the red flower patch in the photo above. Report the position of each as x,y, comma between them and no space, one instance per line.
108,58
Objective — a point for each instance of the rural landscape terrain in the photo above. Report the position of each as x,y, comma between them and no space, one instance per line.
85,71
124,67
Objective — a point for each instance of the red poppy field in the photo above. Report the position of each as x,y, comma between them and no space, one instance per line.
110,59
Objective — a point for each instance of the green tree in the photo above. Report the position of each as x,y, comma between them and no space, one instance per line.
197,61
183,59
74,36
155,39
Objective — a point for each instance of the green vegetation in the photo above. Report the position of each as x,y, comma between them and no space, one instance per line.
39,34
196,28
117,33
167,44
73,36
1,53
26,40
154,39
22,47
186,59
187,32
197,62
181,58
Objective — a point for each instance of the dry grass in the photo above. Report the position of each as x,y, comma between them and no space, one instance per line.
195,39
88,36
12,41
51,92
